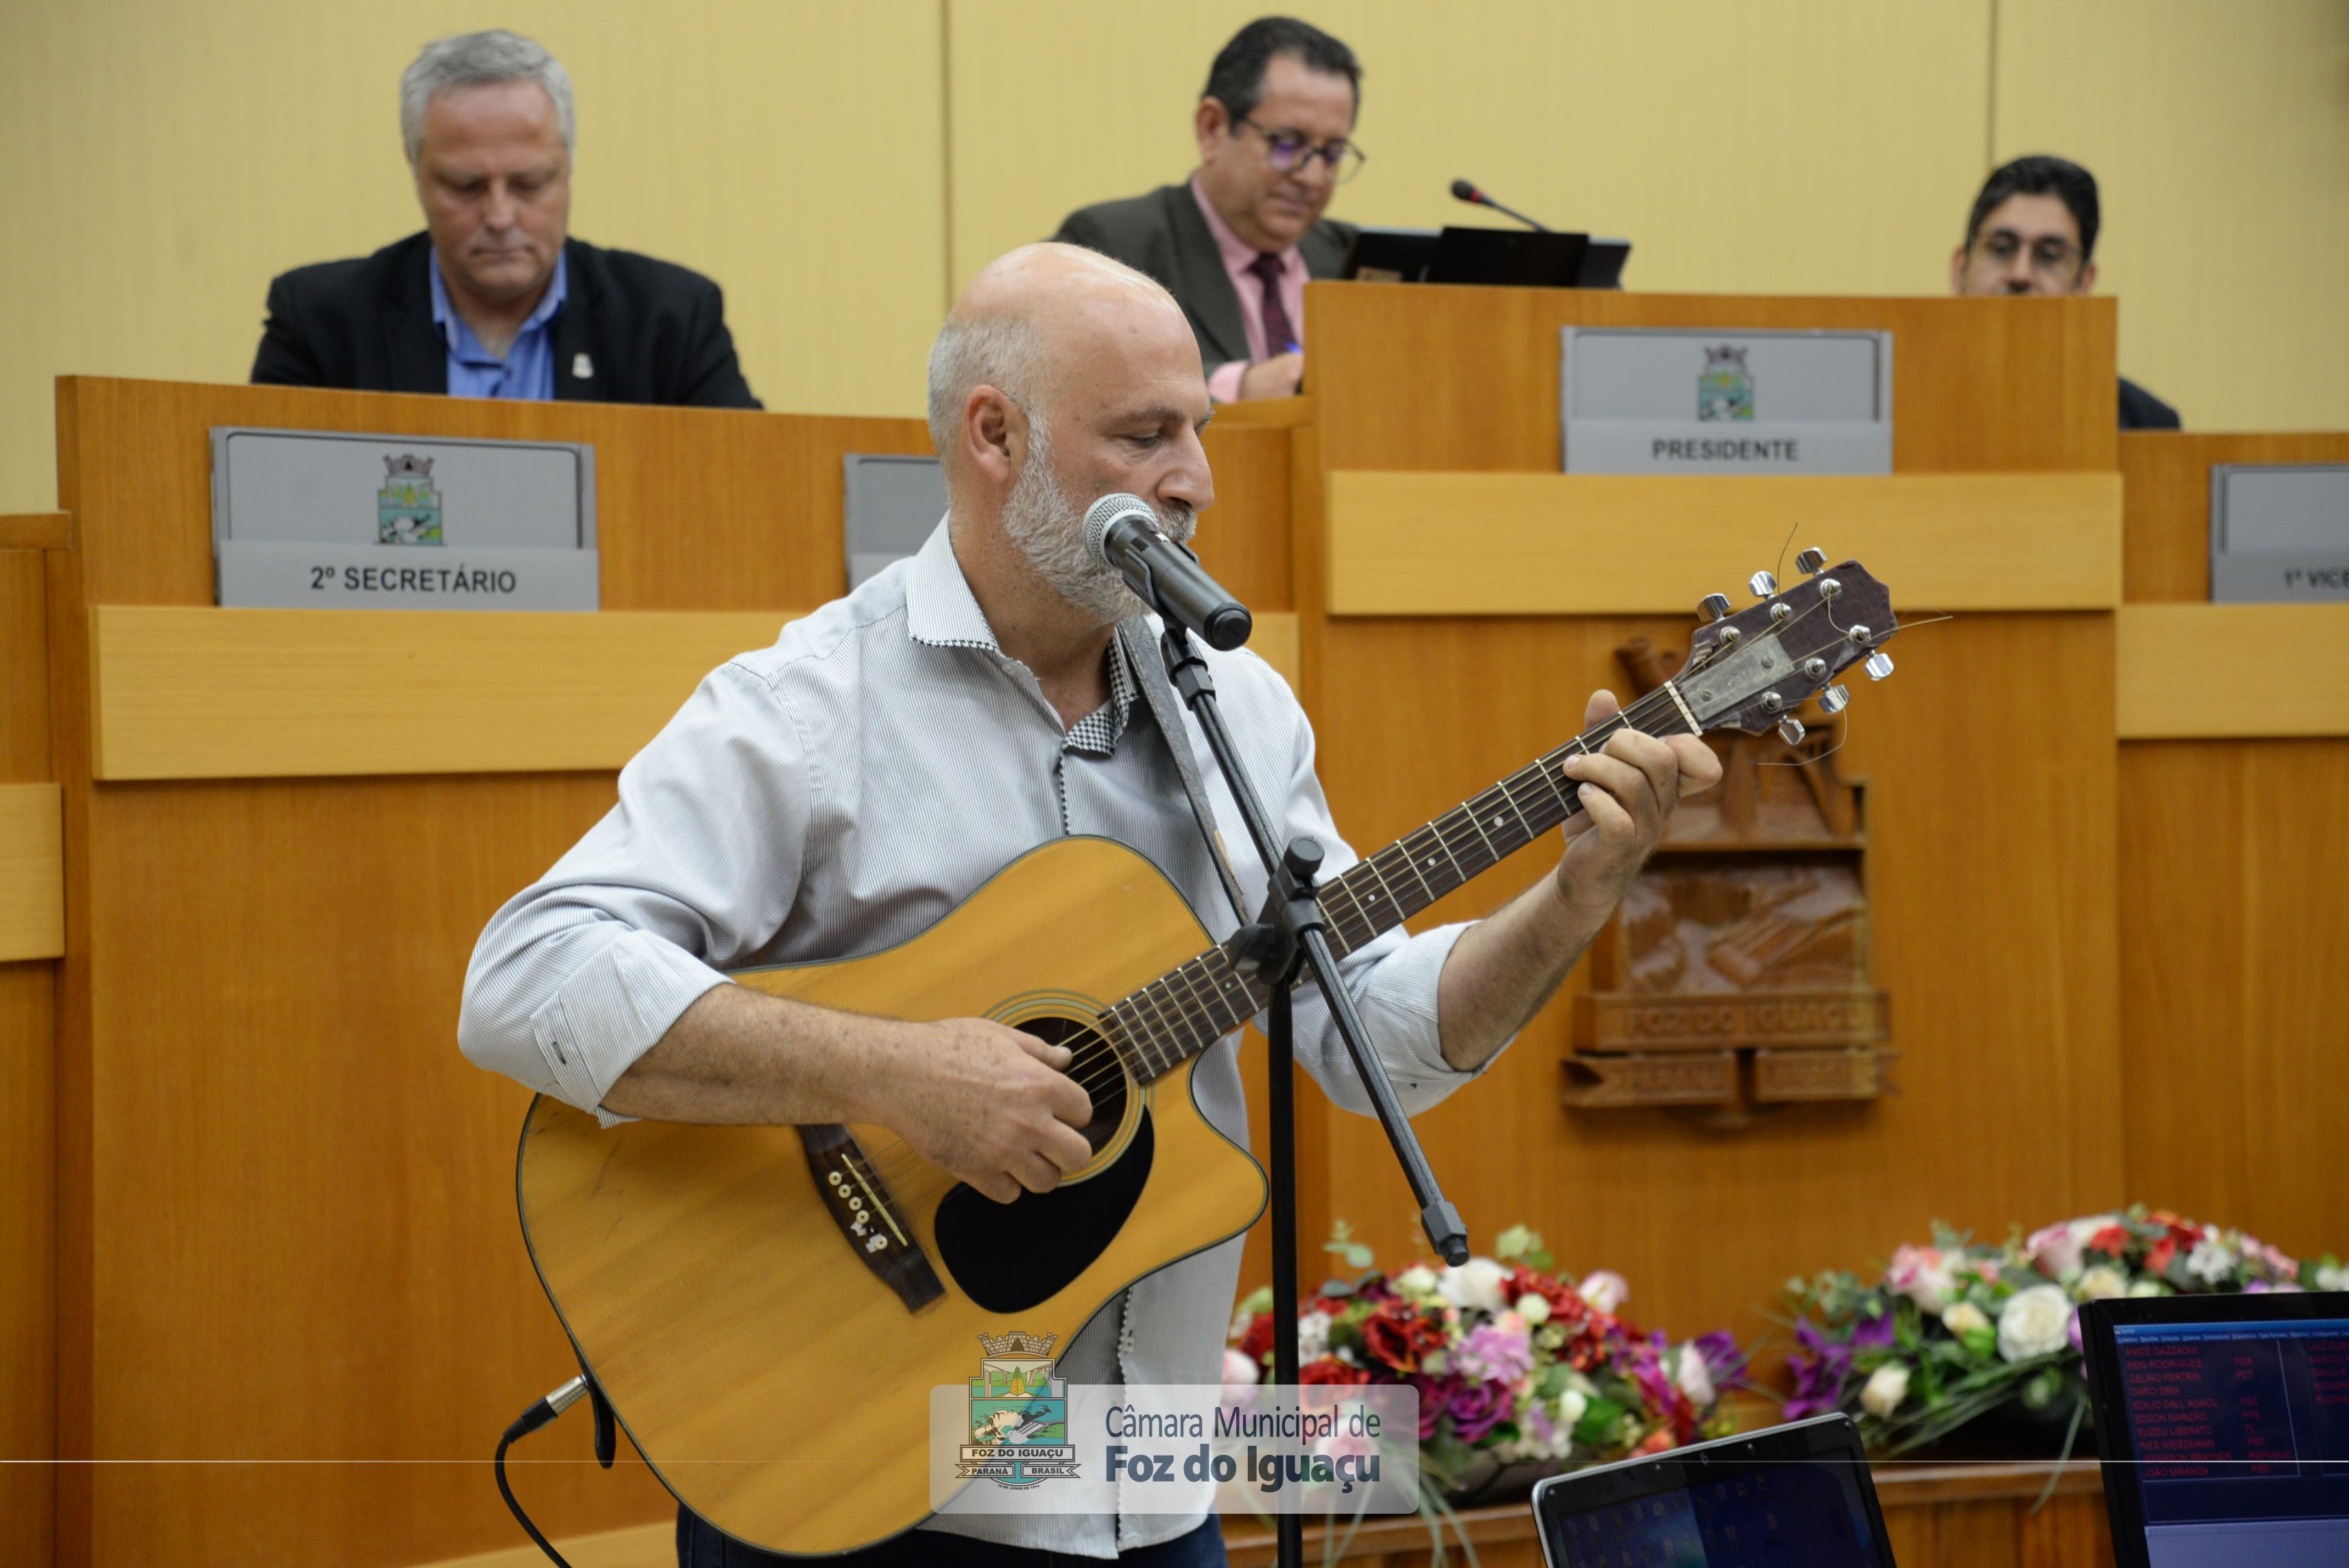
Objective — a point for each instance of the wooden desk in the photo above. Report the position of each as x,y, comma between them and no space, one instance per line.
1990,757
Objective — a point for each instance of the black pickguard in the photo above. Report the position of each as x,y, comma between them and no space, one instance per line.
1008,1257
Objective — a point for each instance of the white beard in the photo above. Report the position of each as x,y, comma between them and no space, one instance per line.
1050,530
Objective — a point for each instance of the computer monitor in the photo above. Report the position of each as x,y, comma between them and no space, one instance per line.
1390,255
2223,1425
1798,1495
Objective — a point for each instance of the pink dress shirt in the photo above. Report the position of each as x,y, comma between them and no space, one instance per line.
1223,380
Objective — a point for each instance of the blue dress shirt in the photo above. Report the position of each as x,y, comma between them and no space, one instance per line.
527,372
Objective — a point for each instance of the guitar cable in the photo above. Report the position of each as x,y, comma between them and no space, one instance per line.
540,1413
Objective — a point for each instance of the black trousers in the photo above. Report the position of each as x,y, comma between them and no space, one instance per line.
699,1546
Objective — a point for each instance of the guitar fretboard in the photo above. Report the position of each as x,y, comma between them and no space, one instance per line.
1184,1011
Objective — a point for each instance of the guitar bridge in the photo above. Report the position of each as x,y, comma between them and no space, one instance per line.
867,1216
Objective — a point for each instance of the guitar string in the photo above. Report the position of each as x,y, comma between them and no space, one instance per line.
1198,1025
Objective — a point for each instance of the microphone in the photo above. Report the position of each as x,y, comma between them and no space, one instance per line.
1122,533
1466,191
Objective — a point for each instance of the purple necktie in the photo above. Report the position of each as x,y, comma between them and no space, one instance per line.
1278,336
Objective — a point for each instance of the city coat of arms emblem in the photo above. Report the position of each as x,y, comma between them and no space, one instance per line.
407,509
1725,389
1019,1414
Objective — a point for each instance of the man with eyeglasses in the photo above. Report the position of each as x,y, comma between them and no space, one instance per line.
1235,244
2033,232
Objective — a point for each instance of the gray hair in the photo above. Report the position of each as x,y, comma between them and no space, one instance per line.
1005,352
478,59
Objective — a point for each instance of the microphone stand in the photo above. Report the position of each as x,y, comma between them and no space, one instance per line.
1289,931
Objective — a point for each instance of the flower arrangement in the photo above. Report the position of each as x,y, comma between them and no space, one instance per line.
1951,1331
1511,1362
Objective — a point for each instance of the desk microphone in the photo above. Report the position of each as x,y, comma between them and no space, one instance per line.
1466,191
1122,533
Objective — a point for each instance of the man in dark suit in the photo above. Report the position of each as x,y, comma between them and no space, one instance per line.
2033,232
1235,244
495,299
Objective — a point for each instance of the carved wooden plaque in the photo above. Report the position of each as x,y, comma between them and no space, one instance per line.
1736,974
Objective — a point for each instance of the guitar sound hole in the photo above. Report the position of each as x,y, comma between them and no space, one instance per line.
1095,1067
1007,1257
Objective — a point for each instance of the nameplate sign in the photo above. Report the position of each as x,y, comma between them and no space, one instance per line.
894,503
2279,531
1678,400
321,520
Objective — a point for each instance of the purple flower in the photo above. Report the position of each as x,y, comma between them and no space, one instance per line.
2072,1329
1494,1354
1724,1357
1874,1333
1819,1367
1477,1409
1434,1396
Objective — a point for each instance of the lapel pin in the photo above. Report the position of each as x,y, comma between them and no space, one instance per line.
582,367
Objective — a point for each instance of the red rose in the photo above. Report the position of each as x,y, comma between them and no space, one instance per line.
1565,1305
1397,1336
1655,1442
1330,1369
1257,1343
2112,1241
2157,1261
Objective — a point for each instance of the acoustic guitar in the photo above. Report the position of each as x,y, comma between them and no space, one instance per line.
767,1308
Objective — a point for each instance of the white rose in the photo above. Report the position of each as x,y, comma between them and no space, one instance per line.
1605,1290
1534,1309
1474,1284
1572,1406
1417,1281
1312,1336
1887,1387
1695,1377
2210,1262
2033,1323
2145,1288
2334,1278
2101,1282
1964,1318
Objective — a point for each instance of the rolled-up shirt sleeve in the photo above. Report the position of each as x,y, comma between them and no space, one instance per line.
697,864
1394,979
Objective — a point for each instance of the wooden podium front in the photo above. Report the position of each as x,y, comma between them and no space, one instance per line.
1989,760
286,1299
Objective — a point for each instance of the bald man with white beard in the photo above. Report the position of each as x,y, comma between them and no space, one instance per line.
840,791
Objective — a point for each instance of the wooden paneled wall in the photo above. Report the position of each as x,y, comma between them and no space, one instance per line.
28,1057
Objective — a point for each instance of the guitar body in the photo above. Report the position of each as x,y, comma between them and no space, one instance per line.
772,1377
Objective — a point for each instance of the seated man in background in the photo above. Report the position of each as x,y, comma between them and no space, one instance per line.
493,299
2033,232
1235,244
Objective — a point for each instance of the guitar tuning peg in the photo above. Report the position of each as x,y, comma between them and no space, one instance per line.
1878,665
1714,607
1790,730
1809,561
1763,585
1833,699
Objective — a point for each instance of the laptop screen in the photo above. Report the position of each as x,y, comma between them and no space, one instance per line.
2239,1431
1792,1497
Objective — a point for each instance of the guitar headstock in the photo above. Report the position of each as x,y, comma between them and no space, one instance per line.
1750,670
